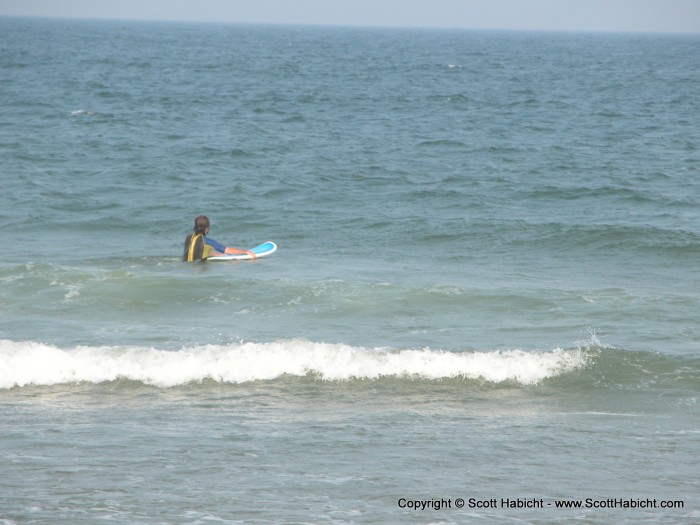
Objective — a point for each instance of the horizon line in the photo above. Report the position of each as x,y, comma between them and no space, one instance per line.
349,25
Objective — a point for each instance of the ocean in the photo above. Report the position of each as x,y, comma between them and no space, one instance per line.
485,306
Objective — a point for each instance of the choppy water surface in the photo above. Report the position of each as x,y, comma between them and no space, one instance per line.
486,285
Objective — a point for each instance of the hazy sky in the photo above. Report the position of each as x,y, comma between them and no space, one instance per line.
577,15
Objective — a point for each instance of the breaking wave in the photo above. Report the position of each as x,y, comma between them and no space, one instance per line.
32,363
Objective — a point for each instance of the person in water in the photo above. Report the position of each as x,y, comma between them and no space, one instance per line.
199,247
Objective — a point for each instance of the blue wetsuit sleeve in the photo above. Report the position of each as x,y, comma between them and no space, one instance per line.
216,245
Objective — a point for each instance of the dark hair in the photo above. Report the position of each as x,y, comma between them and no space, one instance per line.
201,224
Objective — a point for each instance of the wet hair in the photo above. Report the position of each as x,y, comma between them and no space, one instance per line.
201,224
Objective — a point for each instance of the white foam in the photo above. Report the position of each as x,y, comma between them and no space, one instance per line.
31,363
73,290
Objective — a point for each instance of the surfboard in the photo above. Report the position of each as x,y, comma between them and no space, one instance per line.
261,250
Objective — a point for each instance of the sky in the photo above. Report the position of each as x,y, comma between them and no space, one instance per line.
665,16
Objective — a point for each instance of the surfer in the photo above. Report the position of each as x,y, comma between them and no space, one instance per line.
198,246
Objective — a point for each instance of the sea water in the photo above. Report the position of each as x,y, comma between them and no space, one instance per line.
484,307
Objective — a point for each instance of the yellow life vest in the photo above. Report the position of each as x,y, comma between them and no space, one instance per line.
195,248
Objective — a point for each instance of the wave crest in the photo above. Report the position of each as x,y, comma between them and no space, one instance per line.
31,363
